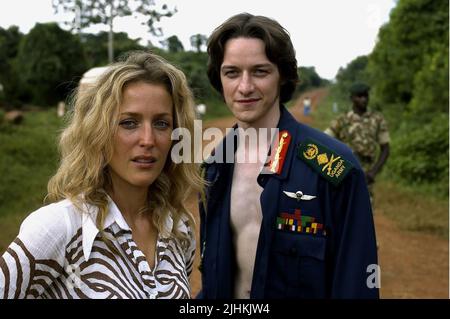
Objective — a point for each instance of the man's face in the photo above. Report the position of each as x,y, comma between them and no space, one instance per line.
360,101
250,82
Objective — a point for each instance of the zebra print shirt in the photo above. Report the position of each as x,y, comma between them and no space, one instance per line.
59,253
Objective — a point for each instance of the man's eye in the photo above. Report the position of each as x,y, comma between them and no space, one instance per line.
161,124
231,73
261,72
128,124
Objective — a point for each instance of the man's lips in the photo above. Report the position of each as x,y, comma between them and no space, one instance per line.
246,101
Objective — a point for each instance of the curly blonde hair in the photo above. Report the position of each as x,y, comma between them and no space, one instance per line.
86,144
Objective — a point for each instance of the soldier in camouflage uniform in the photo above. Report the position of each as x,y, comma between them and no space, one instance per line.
364,131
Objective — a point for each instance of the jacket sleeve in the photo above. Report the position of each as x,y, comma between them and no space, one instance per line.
201,210
38,250
355,268
202,203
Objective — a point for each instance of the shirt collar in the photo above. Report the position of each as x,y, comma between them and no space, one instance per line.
90,230
89,227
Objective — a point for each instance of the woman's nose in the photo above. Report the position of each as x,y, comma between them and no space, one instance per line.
147,137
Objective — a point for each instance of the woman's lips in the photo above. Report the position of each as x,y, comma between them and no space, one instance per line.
144,161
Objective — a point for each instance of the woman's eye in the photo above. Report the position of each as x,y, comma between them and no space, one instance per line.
161,124
128,124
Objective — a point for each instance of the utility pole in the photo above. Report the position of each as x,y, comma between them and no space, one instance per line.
111,33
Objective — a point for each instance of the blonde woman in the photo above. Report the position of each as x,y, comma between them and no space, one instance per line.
118,226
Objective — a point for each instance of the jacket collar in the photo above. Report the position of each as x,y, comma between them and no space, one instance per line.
286,123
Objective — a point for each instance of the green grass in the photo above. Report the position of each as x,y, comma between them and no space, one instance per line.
412,207
28,157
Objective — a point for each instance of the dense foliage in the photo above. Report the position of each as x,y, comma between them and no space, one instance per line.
50,61
43,66
308,79
95,47
410,49
409,75
10,93
355,71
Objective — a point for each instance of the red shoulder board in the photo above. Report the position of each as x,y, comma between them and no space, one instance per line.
278,152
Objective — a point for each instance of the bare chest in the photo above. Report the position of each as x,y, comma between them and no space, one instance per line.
245,197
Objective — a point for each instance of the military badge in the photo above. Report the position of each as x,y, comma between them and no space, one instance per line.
278,153
327,163
298,195
299,223
311,151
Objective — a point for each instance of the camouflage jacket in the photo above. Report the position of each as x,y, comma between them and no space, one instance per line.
363,133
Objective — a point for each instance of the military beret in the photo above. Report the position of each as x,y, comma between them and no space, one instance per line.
359,88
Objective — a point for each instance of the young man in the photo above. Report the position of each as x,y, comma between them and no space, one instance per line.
299,224
364,131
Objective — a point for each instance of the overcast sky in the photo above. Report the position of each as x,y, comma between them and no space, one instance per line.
327,34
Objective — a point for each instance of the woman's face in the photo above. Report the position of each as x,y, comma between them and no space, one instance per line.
142,141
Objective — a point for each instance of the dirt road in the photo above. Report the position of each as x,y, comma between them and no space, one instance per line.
413,264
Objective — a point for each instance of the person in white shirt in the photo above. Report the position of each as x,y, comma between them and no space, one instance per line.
117,225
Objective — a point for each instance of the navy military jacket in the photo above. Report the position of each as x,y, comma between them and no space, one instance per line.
336,260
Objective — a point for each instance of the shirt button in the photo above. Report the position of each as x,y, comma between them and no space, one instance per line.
153,295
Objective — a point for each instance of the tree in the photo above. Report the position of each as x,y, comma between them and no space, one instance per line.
308,78
173,44
409,73
95,44
431,84
415,30
50,60
193,64
9,80
198,41
89,12
355,71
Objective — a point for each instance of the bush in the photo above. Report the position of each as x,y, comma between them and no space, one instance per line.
420,153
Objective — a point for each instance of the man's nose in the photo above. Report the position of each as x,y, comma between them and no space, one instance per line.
246,84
